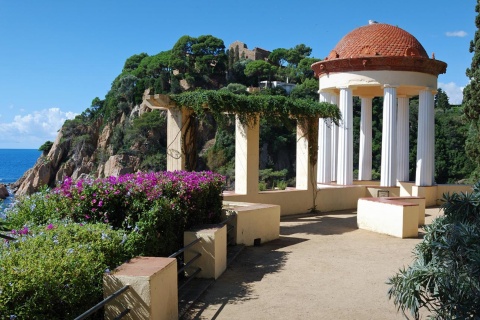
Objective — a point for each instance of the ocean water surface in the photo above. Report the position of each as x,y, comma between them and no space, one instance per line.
13,164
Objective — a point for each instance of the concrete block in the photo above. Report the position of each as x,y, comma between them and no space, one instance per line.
153,292
392,217
212,246
255,221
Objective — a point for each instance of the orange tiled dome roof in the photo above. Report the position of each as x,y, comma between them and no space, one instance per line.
377,47
377,39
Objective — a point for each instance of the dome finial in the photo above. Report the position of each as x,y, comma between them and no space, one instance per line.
372,21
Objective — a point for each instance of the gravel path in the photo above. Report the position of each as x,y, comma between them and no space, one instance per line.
322,267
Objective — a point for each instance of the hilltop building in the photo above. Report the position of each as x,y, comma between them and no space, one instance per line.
244,52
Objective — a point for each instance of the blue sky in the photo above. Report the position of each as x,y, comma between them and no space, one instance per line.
56,56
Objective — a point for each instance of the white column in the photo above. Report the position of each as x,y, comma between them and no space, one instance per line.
365,152
388,176
304,172
175,127
426,139
345,138
403,131
334,141
246,157
324,173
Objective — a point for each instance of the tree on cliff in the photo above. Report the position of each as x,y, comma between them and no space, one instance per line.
471,96
201,61
260,69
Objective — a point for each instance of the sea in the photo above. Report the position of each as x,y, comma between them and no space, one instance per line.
13,164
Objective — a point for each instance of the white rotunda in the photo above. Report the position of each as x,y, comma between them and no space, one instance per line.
371,61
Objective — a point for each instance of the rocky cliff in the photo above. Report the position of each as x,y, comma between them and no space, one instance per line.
81,149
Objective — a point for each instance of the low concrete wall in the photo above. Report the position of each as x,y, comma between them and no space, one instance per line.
291,200
451,188
366,182
335,198
377,191
405,188
294,201
153,292
331,197
433,195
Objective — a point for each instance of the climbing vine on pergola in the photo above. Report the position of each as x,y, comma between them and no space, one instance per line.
249,107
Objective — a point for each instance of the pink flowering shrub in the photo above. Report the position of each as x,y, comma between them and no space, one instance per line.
154,208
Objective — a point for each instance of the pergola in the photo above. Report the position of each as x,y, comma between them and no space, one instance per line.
377,60
371,61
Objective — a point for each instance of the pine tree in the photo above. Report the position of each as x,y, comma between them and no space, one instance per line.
471,95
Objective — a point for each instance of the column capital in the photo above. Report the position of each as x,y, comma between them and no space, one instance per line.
366,96
432,90
390,86
349,87
403,96
331,91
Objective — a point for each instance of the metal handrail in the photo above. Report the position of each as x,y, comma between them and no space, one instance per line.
189,263
230,217
99,305
190,278
176,254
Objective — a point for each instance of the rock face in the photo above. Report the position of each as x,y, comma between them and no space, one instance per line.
80,151
3,191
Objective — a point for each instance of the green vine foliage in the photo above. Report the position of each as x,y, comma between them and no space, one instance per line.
248,107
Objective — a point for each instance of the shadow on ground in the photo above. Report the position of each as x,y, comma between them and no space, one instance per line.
236,283
316,224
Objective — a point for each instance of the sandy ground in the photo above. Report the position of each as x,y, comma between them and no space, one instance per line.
322,267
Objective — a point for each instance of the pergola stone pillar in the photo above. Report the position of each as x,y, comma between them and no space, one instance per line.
176,125
365,152
304,172
334,141
246,156
388,176
426,139
324,169
345,138
403,131
177,120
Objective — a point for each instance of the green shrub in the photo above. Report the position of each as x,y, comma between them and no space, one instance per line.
46,147
444,277
262,186
282,185
37,209
55,271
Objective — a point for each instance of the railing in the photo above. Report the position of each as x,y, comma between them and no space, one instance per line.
230,228
185,265
182,267
100,305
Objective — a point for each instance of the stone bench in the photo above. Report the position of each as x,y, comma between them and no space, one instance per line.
395,216
253,223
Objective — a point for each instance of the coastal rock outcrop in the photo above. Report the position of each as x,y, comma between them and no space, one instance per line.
78,152
3,191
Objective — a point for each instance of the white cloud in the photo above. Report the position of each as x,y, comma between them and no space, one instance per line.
32,130
453,91
460,34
